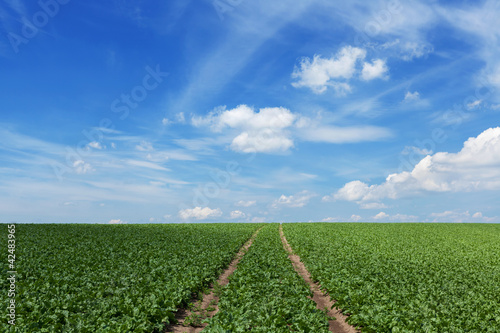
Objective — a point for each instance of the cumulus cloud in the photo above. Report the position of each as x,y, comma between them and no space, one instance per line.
320,73
263,131
82,167
117,221
199,213
298,200
377,69
95,145
330,219
243,203
381,216
475,167
384,217
271,130
236,214
355,218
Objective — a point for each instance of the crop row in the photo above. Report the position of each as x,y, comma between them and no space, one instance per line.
122,278
407,277
265,294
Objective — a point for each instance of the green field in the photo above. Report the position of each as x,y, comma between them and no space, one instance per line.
114,278
133,278
407,277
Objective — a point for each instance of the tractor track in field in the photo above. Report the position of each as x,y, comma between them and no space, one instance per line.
209,300
321,298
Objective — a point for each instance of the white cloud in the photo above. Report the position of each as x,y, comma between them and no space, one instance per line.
259,219
82,167
199,213
381,216
298,200
95,145
412,96
377,69
351,191
243,203
236,214
113,145
321,73
461,216
270,129
475,167
265,141
263,131
330,219
117,221
384,217
412,50
355,218
165,121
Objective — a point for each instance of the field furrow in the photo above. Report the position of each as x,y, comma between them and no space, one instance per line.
265,294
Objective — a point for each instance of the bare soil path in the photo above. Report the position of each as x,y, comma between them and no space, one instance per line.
209,301
321,298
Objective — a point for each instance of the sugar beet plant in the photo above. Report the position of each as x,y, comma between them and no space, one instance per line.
265,294
113,278
407,277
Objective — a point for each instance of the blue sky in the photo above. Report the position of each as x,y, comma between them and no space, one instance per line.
239,111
